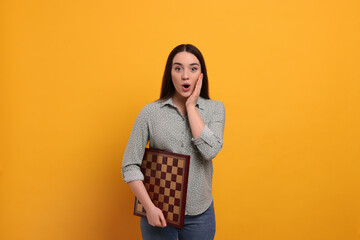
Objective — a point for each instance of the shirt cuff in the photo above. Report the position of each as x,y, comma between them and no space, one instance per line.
132,175
205,136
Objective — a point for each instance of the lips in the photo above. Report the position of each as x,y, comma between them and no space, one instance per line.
186,87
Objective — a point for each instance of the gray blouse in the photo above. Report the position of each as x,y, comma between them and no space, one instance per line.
162,125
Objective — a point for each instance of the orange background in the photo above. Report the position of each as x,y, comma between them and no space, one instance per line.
75,74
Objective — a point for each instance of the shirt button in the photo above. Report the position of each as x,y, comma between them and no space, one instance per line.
182,145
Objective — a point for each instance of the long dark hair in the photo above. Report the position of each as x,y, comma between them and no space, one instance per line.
167,87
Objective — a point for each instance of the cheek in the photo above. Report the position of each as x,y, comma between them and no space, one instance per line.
174,82
175,78
196,76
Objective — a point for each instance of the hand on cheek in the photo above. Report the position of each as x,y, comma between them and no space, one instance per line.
196,92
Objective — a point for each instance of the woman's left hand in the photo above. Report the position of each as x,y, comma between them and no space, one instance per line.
196,92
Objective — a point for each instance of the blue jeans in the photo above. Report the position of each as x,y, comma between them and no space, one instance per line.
199,227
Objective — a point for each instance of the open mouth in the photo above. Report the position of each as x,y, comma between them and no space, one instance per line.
186,87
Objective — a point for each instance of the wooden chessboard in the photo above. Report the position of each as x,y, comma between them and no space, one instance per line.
165,179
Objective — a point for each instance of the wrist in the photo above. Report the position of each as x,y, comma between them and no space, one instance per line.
149,207
189,105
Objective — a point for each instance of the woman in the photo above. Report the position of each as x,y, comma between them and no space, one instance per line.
184,120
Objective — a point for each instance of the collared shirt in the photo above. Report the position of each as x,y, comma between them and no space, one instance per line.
162,125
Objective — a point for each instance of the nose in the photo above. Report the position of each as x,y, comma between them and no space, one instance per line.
185,75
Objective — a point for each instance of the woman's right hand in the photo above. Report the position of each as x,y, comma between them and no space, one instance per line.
155,217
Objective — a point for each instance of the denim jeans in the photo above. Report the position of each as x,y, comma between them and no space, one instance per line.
199,227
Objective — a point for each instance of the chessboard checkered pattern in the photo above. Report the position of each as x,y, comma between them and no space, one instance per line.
165,179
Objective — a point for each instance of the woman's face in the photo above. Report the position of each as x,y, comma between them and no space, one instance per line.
185,72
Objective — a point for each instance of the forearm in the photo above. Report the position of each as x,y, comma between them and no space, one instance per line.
154,215
209,141
140,192
195,121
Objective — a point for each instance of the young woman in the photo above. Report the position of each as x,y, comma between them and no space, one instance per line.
184,120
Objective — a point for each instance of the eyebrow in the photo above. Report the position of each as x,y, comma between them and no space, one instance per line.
192,64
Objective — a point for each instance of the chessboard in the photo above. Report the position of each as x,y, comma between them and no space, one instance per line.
165,179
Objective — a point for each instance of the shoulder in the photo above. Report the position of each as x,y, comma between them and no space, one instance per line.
150,109
211,105
153,106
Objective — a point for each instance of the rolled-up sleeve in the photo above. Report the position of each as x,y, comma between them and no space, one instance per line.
135,148
210,141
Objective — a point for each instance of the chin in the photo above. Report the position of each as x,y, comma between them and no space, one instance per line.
185,95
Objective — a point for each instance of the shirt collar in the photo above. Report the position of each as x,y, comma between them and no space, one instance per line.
199,104
167,102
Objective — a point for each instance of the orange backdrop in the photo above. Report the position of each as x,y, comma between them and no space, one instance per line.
75,74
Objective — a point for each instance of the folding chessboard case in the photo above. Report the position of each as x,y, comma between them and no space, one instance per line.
165,179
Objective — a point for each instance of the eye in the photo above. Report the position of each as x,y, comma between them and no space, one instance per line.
194,69
177,69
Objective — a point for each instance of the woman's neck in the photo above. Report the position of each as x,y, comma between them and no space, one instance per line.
179,103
